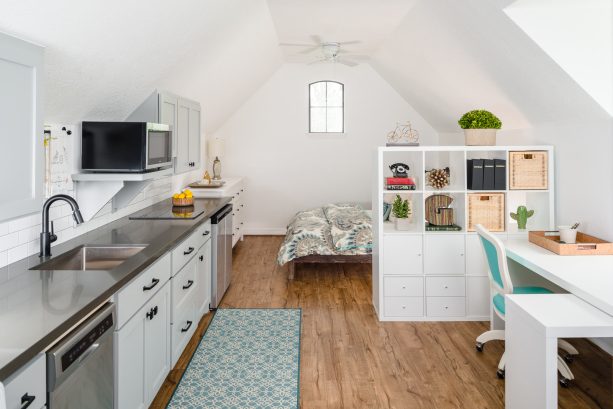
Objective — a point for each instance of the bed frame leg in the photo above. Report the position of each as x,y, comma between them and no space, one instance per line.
292,270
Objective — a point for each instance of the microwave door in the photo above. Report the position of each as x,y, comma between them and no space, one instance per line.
159,149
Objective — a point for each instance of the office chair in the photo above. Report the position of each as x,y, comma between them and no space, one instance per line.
500,283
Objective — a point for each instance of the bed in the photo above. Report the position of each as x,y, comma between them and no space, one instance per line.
335,233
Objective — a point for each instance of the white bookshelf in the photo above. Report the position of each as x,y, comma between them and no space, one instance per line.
421,275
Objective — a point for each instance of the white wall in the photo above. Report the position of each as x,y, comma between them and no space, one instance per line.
288,169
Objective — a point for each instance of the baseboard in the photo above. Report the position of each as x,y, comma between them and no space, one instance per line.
265,231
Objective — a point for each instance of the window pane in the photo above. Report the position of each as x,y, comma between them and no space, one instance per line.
335,94
318,94
335,120
318,120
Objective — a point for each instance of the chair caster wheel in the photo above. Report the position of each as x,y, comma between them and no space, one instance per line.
565,383
479,346
569,358
500,373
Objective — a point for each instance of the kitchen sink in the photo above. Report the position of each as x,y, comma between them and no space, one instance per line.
91,257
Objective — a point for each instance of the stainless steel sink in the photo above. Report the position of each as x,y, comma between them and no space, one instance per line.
91,257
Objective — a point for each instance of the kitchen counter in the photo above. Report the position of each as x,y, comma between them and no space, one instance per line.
37,307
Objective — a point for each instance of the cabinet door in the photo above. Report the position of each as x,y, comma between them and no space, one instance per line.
182,159
402,255
194,153
157,342
22,169
168,115
130,363
444,254
479,301
204,280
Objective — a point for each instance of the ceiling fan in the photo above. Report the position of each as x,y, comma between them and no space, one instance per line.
330,51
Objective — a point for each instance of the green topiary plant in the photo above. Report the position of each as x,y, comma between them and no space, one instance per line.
479,119
401,208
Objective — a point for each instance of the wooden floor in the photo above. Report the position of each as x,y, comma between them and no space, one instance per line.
351,360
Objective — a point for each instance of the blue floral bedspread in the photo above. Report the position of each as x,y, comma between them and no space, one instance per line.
334,229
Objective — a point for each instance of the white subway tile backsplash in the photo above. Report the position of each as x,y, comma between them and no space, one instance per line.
17,253
29,234
9,241
24,222
4,228
3,258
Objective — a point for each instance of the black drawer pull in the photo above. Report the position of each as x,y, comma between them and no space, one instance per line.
189,284
154,282
150,314
26,400
189,324
206,233
155,310
201,258
190,250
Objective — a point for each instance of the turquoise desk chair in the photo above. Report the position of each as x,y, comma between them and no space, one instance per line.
500,283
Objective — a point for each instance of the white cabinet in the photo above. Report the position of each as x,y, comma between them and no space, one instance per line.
402,255
478,292
142,352
203,298
168,104
21,171
27,385
444,254
194,134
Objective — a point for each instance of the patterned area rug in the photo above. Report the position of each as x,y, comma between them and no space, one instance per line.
248,358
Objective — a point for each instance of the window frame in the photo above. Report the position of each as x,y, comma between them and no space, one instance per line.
326,107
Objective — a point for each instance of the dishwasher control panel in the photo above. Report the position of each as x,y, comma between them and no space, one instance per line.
83,344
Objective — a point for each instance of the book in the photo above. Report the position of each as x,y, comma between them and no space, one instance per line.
500,174
488,174
453,227
401,187
399,181
474,171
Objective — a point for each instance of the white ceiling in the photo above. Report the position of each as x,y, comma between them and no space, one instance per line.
369,21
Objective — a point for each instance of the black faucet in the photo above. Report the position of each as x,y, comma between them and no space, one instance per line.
47,236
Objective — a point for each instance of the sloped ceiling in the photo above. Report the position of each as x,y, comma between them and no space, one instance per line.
103,57
448,56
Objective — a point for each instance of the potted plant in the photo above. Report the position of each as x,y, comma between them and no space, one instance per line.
403,212
480,127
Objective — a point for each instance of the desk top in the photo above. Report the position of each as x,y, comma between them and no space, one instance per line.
588,277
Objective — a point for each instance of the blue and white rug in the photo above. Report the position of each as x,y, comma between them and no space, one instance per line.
248,359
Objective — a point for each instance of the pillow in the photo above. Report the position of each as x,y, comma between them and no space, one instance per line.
350,227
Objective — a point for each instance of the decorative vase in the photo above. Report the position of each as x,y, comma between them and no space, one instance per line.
403,224
480,137
216,169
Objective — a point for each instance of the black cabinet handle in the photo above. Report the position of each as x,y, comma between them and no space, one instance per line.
150,314
154,282
189,324
190,250
206,233
189,284
155,310
201,258
26,400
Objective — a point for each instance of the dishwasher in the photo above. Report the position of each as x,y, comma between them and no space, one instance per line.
80,366
221,251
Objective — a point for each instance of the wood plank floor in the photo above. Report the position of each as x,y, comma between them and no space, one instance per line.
351,360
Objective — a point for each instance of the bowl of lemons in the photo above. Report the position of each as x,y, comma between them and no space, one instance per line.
185,198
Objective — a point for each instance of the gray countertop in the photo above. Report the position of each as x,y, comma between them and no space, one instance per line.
37,307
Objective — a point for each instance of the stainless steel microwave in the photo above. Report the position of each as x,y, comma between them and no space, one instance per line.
125,146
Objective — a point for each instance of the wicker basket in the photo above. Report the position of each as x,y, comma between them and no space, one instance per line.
528,170
188,201
486,209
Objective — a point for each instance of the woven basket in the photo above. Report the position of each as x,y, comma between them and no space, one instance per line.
188,201
528,170
486,209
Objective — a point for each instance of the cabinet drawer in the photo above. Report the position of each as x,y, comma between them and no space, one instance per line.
189,247
29,382
445,286
402,255
404,306
403,286
446,306
183,327
184,283
132,297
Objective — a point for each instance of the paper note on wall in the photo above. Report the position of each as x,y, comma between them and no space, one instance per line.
58,159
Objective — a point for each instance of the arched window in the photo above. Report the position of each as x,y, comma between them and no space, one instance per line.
326,107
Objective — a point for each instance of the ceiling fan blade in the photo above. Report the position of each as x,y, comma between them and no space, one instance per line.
317,39
295,45
310,49
348,63
317,62
358,57
350,42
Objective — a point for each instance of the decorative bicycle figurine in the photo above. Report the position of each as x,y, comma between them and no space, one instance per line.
403,135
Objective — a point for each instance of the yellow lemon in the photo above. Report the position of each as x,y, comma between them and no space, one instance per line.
175,196
186,191
189,195
182,196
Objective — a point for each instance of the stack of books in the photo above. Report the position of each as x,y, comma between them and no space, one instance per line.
400,184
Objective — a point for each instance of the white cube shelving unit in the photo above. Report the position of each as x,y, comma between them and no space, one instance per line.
421,275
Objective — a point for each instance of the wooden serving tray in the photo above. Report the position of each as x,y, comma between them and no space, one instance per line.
586,245
214,184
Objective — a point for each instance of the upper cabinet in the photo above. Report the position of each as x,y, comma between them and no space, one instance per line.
21,135
183,116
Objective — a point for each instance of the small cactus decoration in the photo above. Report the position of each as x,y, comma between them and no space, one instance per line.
522,216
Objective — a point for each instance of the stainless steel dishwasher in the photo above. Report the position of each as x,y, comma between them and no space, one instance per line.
221,272
80,366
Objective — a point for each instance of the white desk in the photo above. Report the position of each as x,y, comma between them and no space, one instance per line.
534,322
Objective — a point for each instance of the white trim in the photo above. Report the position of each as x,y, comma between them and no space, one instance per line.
265,231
